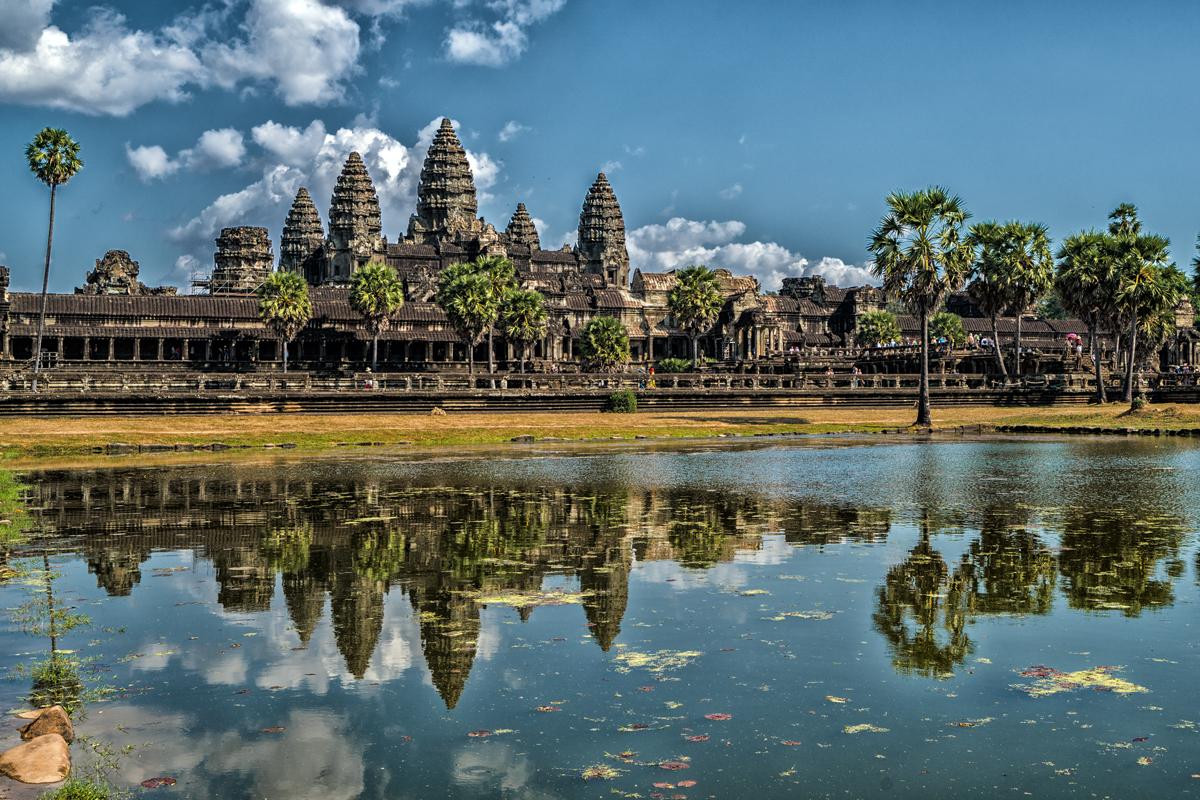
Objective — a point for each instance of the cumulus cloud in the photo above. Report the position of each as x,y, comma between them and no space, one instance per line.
610,166
510,130
312,157
304,48
215,149
475,41
681,242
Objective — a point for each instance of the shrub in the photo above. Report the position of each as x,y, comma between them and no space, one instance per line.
623,402
675,365
76,789
1138,403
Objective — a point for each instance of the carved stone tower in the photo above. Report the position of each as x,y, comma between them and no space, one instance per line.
354,224
602,235
243,260
446,196
302,239
521,229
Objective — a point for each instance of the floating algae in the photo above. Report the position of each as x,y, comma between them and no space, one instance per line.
659,661
519,599
1051,681
864,727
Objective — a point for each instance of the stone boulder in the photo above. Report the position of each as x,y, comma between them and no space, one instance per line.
48,720
46,759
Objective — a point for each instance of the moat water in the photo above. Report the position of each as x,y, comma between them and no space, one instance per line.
842,617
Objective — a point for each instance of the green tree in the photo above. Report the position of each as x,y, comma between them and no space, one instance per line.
1147,282
1015,268
922,255
285,307
695,301
523,320
1086,281
604,343
375,295
502,277
471,307
53,157
987,288
950,326
877,327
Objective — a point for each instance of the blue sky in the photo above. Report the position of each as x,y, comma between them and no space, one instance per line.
758,136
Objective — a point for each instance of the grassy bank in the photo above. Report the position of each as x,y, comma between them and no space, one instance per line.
67,436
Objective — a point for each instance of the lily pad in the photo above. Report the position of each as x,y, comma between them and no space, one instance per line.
718,717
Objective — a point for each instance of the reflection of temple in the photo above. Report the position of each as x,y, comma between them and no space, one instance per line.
343,545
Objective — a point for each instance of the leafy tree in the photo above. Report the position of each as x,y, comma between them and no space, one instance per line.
375,295
950,326
285,307
53,157
1029,269
987,288
604,343
502,277
523,320
1051,306
877,327
1148,285
922,255
695,301
466,297
1086,280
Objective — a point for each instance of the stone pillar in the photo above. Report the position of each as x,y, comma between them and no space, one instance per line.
112,348
185,350
254,352
208,350
407,351
159,351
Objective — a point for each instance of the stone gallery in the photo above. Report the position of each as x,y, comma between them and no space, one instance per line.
114,319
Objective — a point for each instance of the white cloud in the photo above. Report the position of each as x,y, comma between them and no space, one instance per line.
610,166
215,149
151,161
681,242
483,169
290,145
510,130
474,41
732,191
304,48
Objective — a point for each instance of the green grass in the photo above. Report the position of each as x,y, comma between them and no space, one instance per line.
79,789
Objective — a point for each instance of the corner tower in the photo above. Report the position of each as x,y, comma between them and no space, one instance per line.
602,236
446,196
522,231
302,239
354,224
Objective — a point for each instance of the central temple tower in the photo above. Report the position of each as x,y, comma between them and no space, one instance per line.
601,240
446,196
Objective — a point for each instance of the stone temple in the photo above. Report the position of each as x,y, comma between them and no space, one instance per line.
115,320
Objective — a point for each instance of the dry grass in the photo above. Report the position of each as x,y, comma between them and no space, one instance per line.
61,436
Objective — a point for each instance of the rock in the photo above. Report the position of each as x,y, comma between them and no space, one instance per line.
46,759
121,447
185,448
524,438
437,412
49,720
156,448
288,445
218,446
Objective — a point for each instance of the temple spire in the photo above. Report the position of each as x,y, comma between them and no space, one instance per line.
354,223
602,235
522,231
302,239
446,196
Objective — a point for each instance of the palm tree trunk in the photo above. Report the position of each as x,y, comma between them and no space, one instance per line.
283,345
1101,395
375,353
996,347
471,359
37,350
695,353
1129,366
491,358
1017,346
50,608
924,418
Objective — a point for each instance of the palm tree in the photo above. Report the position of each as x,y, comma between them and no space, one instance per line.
922,255
376,294
285,307
523,320
949,326
466,297
1086,284
503,279
877,327
987,289
695,301
53,157
1029,269
604,343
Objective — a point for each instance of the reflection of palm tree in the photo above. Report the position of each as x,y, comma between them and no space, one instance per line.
1007,569
916,592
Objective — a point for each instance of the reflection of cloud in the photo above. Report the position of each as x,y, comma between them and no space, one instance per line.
774,550
485,763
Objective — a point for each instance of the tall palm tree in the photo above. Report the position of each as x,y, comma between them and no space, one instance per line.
1087,285
695,301
53,157
523,320
922,255
502,277
987,289
466,297
375,295
285,307
1029,269
604,343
